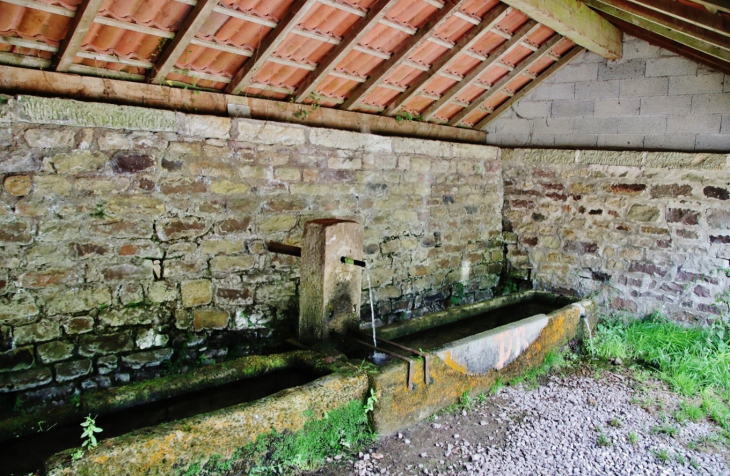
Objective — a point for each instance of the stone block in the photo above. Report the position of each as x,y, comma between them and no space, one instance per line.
162,291
642,125
233,226
682,215
149,358
230,264
576,140
91,345
665,105
344,162
547,156
713,142
512,127
350,140
718,218
679,160
177,228
124,271
671,191
287,173
127,317
78,325
616,107
185,268
595,125
210,319
17,161
40,332
562,125
107,364
260,132
70,301
575,72
604,157
703,84
694,123
594,89
24,380
78,161
193,125
130,294
670,66
50,138
554,91
55,351
196,293
532,109
670,142
20,358
18,185
710,104
716,192
67,371
15,232
131,163
227,187
620,141
149,338
275,223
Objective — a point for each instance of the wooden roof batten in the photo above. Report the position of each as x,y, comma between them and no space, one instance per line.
473,76
410,46
443,63
525,65
80,26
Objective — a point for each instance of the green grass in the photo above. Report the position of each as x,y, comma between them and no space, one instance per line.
633,437
553,361
497,385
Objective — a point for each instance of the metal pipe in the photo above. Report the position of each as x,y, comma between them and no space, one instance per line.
353,261
284,249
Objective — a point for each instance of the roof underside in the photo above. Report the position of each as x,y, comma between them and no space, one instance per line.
454,62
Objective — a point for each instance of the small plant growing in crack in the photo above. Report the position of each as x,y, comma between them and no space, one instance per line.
89,437
100,211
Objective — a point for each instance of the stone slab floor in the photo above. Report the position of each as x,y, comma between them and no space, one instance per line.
585,421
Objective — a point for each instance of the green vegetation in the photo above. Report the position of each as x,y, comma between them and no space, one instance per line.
89,437
100,211
633,437
497,385
554,361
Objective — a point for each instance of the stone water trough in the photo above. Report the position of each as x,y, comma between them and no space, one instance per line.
434,360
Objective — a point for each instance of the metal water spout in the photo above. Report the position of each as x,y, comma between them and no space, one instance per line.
330,286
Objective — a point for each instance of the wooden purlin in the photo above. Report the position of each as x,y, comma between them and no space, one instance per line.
675,30
565,59
409,46
716,23
376,13
519,36
80,25
526,64
195,19
471,38
273,40
575,21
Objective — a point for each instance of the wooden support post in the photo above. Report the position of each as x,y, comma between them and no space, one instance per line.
80,26
496,15
575,21
524,66
183,36
409,46
363,27
519,36
273,40
565,59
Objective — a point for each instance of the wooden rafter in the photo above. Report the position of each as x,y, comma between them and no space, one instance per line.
519,36
565,59
575,21
672,46
410,46
273,40
464,44
526,64
716,23
668,27
713,6
195,19
80,26
376,13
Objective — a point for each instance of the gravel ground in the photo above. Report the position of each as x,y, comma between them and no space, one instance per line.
575,424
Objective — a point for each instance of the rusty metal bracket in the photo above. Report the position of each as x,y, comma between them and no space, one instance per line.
397,356
426,358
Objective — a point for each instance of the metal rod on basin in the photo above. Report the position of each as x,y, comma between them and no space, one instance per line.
353,261
284,249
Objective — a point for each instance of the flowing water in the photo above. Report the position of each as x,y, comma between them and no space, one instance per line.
590,334
378,357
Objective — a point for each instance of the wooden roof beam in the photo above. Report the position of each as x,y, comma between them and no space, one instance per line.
526,64
376,13
441,65
714,6
295,14
716,23
473,76
565,59
575,21
409,46
685,34
195,19
80,25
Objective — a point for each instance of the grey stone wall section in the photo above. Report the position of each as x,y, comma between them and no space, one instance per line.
638,231
651,99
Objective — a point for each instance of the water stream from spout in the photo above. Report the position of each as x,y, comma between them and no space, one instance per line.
378,357
590,335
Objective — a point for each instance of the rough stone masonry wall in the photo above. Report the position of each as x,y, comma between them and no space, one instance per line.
651,99
134,239
640,231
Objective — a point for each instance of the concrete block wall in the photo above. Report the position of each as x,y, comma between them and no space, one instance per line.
133,240
651,99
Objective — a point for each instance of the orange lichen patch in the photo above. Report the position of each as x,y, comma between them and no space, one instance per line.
451,362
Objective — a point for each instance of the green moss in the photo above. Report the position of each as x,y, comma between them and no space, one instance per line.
345,429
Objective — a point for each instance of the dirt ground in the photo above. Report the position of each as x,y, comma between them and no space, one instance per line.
584,421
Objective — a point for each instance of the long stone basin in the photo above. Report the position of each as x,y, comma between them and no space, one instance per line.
470,364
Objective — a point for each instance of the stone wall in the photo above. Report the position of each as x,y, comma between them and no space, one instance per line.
651,99
640,231
132,241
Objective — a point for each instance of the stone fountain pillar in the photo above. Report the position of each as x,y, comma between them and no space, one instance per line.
329,290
